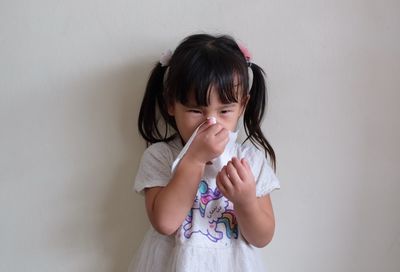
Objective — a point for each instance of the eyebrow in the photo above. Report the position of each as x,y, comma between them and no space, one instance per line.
189,105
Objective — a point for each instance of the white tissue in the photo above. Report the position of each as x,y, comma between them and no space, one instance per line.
218,162
212,119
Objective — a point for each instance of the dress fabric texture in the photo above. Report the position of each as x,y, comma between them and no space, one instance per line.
209,239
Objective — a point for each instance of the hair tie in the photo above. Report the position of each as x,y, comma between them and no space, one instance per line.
165,58
250,72
247,55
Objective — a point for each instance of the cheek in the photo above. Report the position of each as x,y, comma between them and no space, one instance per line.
229,121
187,125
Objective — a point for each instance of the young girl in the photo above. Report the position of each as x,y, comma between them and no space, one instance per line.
207,197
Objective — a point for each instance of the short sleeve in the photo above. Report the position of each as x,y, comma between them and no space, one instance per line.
266,180
154,168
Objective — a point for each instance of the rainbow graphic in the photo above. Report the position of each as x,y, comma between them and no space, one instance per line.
211,216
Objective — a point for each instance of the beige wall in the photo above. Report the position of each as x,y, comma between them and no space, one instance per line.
72,74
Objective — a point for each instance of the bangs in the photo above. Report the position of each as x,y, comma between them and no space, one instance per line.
205,69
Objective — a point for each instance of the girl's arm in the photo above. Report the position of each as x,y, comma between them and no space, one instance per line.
254,215
168,206
256,221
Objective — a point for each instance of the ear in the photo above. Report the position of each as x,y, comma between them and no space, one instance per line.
171,109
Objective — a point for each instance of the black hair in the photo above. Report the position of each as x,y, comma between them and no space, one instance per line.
200,62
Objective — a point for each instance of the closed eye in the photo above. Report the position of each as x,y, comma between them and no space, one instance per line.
194,111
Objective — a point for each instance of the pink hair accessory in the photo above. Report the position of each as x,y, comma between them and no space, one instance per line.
165,58
247,55
245,52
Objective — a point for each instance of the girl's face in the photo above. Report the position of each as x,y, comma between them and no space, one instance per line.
189,117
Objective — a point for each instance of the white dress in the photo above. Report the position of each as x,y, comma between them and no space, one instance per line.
209,239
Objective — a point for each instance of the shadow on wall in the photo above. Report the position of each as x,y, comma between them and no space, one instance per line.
124,219
106,222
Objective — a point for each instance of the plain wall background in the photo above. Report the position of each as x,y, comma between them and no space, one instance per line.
72,75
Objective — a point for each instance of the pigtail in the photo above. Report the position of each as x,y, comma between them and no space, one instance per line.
254,113
154,105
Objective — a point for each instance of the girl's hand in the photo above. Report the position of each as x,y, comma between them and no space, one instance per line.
209,143
236,182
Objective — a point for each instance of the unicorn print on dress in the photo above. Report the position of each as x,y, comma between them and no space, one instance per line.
213,214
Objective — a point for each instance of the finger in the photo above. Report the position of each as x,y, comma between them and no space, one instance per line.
220,186
222,135
247,165
209,129
240,168
216,128
232,173
205,125
225,179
